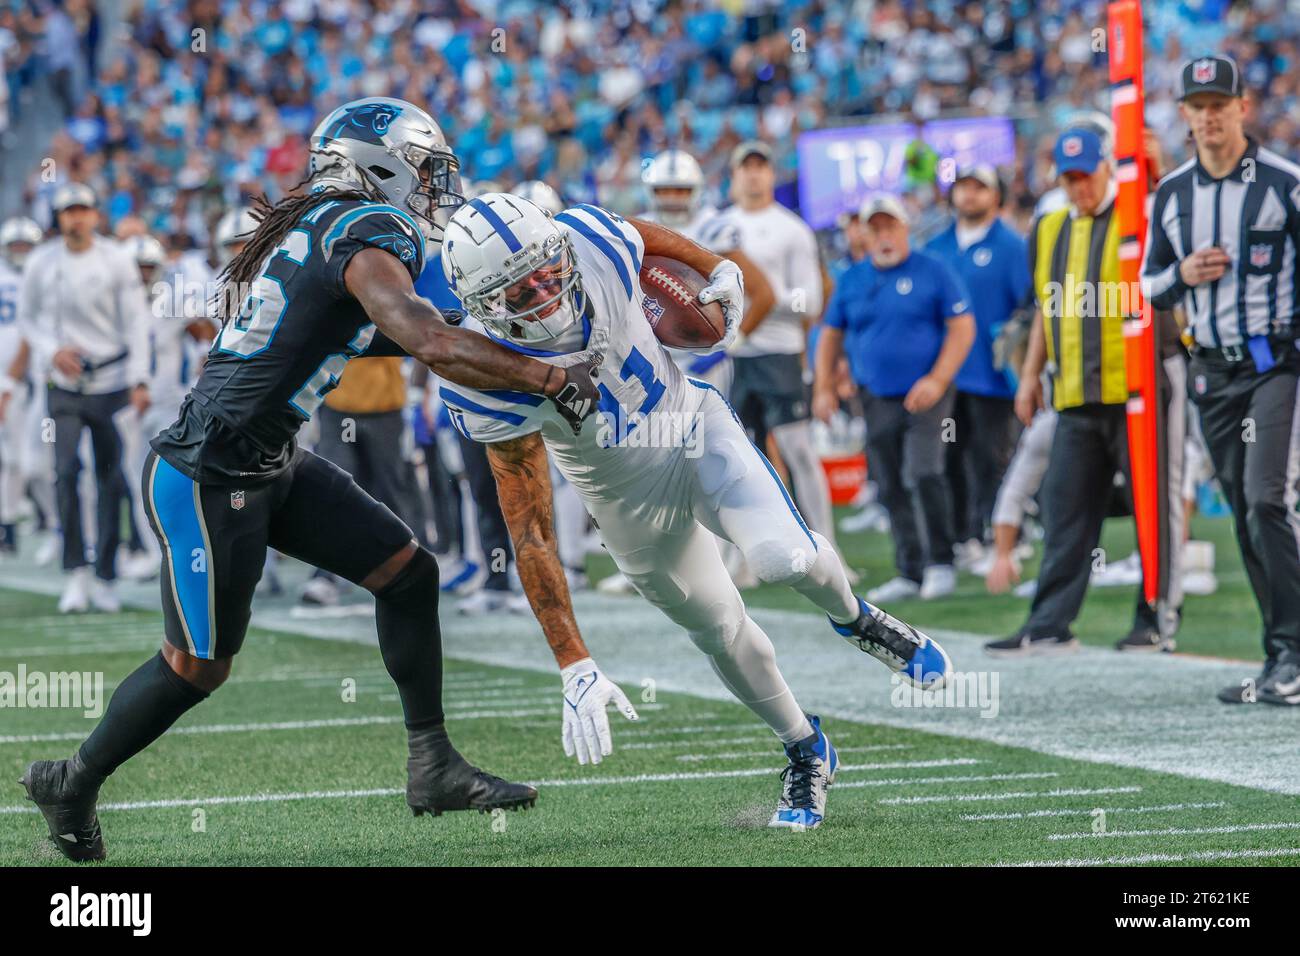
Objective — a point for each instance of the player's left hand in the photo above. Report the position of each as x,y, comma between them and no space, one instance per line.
587,692
727,288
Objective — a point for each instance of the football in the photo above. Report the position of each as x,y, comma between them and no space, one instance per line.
672,306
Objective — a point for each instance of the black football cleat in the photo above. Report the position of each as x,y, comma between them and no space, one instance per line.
439,779
1144,638
68,811
1282,685
1246,691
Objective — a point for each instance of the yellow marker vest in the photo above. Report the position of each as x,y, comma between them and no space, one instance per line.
1077,280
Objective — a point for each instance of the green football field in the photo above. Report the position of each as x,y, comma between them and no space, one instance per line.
285,765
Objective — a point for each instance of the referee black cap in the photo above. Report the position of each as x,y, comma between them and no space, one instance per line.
1210,74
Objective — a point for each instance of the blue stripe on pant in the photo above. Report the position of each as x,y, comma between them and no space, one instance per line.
175,500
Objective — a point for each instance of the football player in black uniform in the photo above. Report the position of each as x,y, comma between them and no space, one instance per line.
325,277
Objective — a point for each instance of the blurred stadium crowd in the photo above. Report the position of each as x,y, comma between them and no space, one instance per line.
581,94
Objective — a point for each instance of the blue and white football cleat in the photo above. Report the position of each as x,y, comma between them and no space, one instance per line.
813,763
899,646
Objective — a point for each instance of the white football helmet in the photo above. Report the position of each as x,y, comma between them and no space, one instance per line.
540,194
235,226
19,231
513,267
148,254
674,169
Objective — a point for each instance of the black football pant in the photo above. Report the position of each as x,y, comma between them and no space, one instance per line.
1250,425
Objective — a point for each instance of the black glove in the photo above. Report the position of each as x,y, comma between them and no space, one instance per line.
577,396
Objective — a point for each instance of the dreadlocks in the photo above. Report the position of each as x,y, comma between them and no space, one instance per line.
273,223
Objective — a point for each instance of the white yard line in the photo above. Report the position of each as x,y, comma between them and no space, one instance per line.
341,794
281,725
742,754
1020,795
1031,814
1176,831
1200,856
957,778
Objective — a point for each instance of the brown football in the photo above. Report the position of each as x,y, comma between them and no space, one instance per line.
673,308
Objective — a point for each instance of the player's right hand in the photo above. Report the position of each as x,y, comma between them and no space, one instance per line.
577,396
1029,399
587,692
1205,265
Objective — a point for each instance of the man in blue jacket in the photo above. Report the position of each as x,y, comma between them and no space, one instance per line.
992,262
904,320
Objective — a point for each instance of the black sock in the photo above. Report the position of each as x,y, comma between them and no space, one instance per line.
410,641
144,705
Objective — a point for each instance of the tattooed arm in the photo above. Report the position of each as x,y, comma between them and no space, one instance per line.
524,486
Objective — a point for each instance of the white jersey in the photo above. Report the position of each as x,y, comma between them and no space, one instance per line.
785,248
179,297
9,334
627,448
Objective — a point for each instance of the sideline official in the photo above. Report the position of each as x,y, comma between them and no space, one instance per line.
1223,242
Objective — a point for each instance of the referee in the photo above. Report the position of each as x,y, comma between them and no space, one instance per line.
1223,240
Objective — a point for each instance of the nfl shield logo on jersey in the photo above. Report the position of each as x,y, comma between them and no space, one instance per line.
237,500
1261,255
653,309
1203,71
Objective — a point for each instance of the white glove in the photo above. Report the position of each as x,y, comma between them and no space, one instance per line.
726,286
587,692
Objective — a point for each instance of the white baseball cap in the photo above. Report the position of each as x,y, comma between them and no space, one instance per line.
886,204
74,194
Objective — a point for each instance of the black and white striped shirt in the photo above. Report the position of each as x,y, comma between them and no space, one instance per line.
1252,214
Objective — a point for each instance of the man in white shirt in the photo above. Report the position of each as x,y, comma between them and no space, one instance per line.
18,236
770,391
83,312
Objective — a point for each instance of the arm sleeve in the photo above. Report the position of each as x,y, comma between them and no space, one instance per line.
834,315
37,332
496,415
370,227
805,272
1162,284
954,300
137,320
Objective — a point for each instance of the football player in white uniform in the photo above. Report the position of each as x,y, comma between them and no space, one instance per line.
664,464
180,329
18,236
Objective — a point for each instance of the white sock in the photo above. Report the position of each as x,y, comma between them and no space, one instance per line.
748,669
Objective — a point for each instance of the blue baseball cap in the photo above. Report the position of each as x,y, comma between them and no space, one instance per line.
1077,150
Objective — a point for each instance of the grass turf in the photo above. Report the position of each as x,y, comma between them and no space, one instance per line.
1223,624
903,797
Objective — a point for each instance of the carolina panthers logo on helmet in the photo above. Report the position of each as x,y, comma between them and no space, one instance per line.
367,122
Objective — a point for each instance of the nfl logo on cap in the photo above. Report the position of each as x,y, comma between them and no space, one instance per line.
1204,71
1072,146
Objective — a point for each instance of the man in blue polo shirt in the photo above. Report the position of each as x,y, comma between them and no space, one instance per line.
992,262
904,320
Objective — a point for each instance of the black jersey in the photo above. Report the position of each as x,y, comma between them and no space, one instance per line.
271,366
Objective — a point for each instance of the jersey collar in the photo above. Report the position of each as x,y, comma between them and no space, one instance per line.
1238,173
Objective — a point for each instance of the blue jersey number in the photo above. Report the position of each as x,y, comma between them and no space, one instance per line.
639,367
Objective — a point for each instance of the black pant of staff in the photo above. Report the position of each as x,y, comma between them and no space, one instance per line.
1249,419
